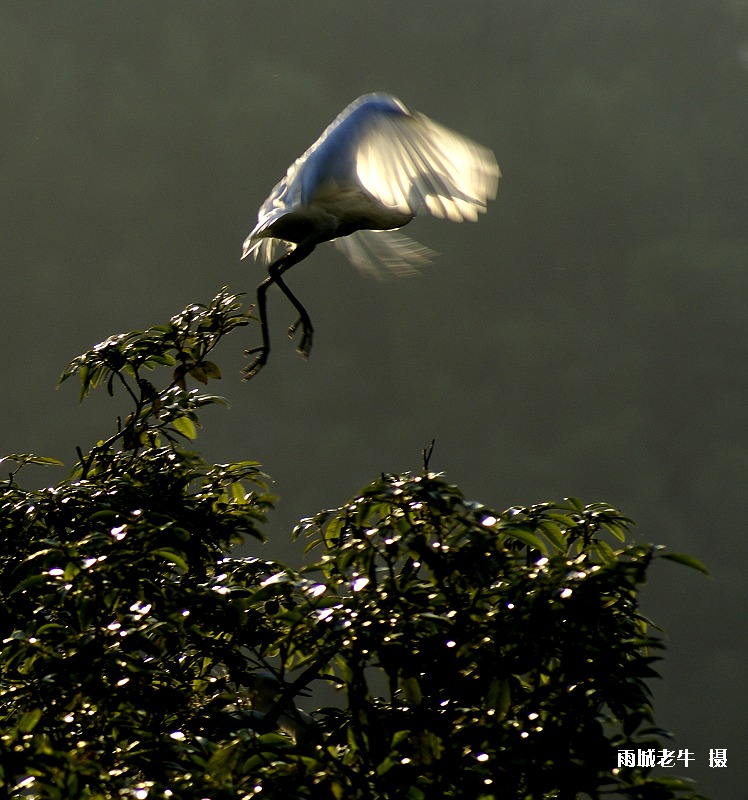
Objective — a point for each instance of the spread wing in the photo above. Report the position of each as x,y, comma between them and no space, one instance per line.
384,253
409,162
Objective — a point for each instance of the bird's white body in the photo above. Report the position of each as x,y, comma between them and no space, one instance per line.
372,170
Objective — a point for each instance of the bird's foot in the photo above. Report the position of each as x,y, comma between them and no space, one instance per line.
257,363
307,332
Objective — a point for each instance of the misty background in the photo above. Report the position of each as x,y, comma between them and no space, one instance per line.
588,336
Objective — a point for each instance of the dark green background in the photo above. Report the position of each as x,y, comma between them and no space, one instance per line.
589,336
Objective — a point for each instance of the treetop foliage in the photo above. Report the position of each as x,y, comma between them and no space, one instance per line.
452,650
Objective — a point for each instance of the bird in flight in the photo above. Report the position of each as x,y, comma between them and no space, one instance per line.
376,167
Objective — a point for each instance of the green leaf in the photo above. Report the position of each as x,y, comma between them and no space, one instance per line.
28,582
29,719
687,560
575,503
527,538
386,765
555,535
605,551
238,493
564,519
223,761
617,530
199,374
212,370
30,458
186,427
411,690
172,557
398,737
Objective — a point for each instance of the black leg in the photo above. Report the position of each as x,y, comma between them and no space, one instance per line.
275,270
307,329
262,352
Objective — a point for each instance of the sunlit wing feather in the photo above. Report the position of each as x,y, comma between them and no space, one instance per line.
410,162
370,172
383,253
267,250
405,161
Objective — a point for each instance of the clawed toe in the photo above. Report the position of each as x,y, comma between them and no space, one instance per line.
257,363
307,332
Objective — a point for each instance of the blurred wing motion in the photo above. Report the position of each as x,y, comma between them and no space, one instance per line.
409,162
372,170
369,251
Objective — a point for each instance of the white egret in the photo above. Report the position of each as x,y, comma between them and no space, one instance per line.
371,171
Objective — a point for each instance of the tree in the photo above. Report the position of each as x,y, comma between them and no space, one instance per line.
473,653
